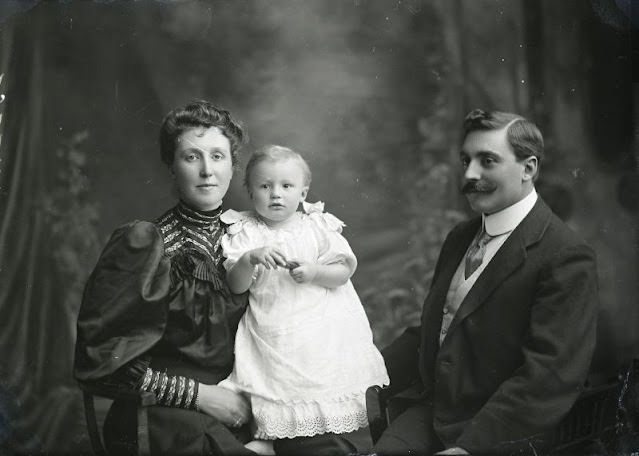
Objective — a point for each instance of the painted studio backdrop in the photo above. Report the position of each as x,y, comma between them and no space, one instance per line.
371,92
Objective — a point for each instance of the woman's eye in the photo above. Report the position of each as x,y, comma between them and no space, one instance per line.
218,156
190,157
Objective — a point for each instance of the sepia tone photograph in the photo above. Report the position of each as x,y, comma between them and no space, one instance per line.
350,227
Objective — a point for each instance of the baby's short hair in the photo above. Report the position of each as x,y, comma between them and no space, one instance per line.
273,152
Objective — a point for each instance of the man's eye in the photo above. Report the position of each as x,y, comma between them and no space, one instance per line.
465,162
488,161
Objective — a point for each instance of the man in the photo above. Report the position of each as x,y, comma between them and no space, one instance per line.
508,327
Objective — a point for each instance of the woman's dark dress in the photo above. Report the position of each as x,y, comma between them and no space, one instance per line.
158,299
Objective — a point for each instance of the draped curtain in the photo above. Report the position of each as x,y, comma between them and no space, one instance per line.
38,401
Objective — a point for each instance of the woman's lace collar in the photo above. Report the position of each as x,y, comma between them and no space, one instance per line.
207,220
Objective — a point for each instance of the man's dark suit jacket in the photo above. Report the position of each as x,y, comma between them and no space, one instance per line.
519,348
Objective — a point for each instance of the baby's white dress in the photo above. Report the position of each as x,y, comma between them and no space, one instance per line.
304,353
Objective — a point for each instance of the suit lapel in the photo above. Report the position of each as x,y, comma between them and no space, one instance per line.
507,259
451,259
452,253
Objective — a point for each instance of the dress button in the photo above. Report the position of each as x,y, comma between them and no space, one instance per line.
445,310
444,331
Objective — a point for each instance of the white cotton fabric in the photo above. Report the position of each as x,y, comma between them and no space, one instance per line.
304,353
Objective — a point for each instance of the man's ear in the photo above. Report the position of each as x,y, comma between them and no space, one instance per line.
530,168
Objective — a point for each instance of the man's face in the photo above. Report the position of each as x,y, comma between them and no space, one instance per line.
493,178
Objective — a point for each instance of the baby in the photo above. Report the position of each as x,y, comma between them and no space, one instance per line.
304,351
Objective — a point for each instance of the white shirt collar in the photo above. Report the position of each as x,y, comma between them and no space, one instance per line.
507,219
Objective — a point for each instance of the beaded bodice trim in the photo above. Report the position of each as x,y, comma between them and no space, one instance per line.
192,242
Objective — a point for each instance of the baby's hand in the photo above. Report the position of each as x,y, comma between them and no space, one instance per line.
270,257
302,272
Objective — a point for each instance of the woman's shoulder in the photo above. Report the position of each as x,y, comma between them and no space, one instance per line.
135,242
133,248
137,234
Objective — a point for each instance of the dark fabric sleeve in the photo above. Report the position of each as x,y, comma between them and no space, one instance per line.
129,376
124,310
401,358
557,356
170,390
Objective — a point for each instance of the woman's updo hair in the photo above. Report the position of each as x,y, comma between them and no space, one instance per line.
275,153
199,113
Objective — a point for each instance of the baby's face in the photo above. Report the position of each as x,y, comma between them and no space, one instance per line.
277,188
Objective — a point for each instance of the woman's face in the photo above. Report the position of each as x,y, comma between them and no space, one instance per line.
202,167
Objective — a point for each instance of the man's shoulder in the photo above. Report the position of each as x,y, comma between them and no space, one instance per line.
547,236
559,231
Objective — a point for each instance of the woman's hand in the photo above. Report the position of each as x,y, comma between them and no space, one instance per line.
303,272
230,408
270,257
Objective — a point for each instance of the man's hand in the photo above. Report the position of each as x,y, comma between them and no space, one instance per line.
454,450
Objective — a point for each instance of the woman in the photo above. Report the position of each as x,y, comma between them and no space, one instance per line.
157,314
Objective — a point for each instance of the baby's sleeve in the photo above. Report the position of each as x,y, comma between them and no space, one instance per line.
333,247
237,239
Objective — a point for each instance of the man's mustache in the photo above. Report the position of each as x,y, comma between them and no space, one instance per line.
478,186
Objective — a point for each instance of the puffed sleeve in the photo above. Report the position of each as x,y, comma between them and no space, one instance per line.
240,236
124,310
334,248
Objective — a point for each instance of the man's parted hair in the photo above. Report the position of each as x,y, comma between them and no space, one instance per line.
523,135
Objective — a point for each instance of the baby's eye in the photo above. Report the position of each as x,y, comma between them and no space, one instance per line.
288,185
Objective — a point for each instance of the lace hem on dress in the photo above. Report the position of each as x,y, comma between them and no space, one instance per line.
276,420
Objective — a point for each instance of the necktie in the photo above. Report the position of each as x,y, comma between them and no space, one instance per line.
475,255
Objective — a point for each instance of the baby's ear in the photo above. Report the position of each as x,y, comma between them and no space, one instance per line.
304,192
